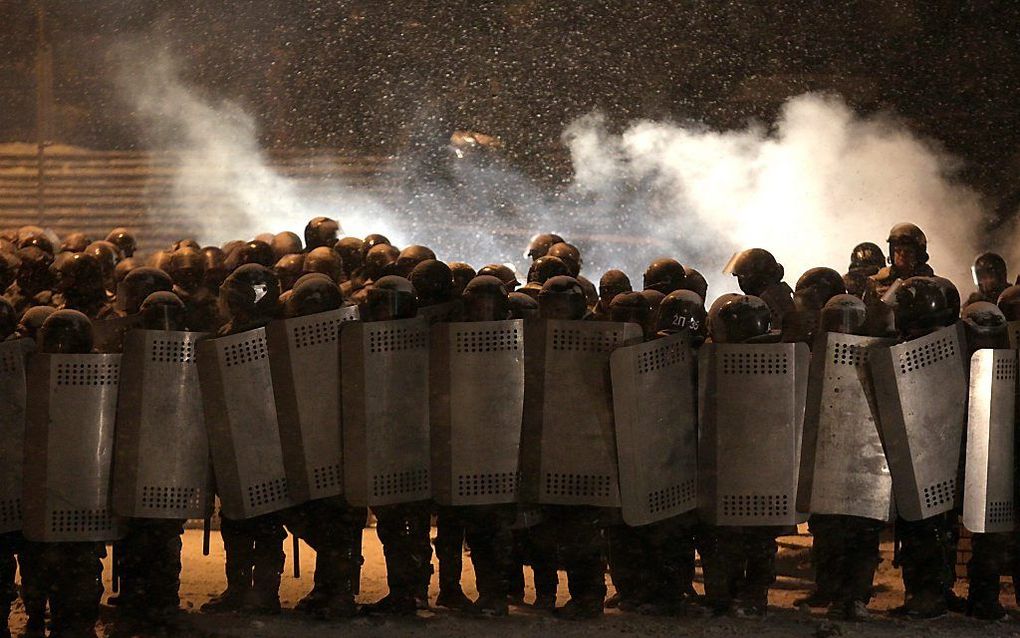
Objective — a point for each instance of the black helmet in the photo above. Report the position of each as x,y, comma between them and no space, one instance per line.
352,253
755,269
568,254
326,261
380,261
985,325
250,291
738,318
867,255
845,314
612,283
107,256
312,296
78,274
75,243
695,282
187,242
321,231
561,297
32,320
34,273
817,285
522,306
371,241
502,272
631,307
139,284
540,245
1009,303
432,281
40,241
485,299
124,241
124,266
65,332
682,310
285,243
411,256
654,297
163,310
665,275
989,272
288,269
8,319
390,297
9,265
187,267
920,306
908,235
462,275
215,267
253,252
952,297
544,268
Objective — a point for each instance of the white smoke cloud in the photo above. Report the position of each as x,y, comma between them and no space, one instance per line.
820,181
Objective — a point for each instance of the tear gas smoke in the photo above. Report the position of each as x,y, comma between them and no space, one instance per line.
820,181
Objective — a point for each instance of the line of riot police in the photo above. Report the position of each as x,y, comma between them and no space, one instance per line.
555,424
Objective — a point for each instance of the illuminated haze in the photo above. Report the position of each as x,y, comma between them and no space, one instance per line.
808,189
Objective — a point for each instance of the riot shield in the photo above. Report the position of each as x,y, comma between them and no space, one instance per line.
751,416
161,463
988,494
240,417
304,357
70,413
385,411
1014,334
12,430
476,381
843,468
442,312
656,428
568,447
921,393
108,334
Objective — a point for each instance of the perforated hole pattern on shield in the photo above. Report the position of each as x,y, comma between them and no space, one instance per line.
242,352
172,351
10,511
9,364
318,332
849,354
496,484
571,339
1005,369
170,497
501,340
80,521
88,373
755,363
327,476
661,357
671,497
397,339
940,493
397,483
267,492
1001,512
926,355
755,505
589,485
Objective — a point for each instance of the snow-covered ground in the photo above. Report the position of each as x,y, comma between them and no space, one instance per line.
203,577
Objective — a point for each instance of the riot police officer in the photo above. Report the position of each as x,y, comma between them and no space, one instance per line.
326,261
254,547
410,257
286,243
613,282
908,257
540,244
990,277
124,241
321,231
463,273
33,283
540,271
814,288
760,275
866,260
187,270
665,275
79,285
682,310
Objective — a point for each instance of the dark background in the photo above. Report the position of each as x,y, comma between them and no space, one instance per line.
374,76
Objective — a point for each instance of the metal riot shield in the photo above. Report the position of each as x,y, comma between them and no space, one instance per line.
240,416
1014,334
988,493
568,448
751,416
385,410
161,463
108,334
476,386
843,468
656,428
12,430
921,393
442,312
304,357
70,413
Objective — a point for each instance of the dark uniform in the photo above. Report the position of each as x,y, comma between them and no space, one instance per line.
760,275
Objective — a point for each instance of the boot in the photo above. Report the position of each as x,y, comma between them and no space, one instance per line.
581,609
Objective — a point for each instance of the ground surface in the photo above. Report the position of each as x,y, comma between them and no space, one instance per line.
203,577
